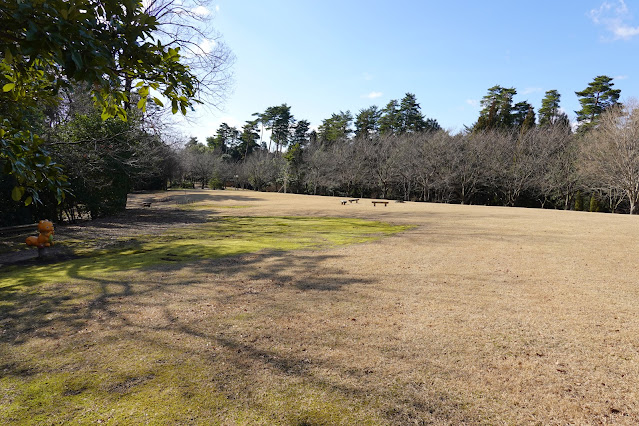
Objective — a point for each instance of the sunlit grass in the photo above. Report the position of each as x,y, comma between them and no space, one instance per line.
158,387
226,236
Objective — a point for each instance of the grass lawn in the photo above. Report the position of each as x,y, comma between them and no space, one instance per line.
134,333
237,307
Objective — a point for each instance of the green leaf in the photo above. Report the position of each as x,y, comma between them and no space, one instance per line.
17,193
28,201
142,104
8,87
158,102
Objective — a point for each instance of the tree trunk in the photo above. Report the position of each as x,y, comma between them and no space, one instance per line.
632,198
128,86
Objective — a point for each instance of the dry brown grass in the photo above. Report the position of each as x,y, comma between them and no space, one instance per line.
477,315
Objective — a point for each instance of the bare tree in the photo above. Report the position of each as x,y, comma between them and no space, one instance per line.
438,171
261,169
187,24
519,158
323,166
405,162
200,164
351,167
378,155
610,153
557,166
471,163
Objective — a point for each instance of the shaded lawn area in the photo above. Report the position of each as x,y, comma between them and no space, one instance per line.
197,324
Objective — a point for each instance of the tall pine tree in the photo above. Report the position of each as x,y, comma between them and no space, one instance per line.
367,121
279,120
550,114
497,109
410,115
391,120
523,116
594,100
335,128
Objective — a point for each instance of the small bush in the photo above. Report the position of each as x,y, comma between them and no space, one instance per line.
216,183
185,184
579,202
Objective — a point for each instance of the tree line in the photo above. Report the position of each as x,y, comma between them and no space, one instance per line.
83,124
511,156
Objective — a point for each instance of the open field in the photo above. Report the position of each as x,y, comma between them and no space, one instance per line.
462,314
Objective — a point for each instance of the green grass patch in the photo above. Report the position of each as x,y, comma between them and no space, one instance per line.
220,237
116,392
164,389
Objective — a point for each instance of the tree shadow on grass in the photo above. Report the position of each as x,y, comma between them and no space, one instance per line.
25,308
195,197
110,301
100,233
147,218
282,268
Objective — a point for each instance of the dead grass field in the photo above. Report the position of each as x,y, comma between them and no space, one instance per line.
476,315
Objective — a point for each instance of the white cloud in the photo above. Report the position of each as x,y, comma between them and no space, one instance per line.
626,32
217,7
201,11
373,95
367,76
472,102
207,45
620,77
614,17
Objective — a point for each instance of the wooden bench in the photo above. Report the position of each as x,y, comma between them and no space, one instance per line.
343,202
385,203
354,199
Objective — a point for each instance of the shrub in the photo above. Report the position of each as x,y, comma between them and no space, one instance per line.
579,202
216,183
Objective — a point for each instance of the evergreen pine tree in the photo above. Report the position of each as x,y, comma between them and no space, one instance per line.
411,118
367,121
594,100
549,113
390,121
523,116
497,109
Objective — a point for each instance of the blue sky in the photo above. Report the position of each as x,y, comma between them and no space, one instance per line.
321,57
